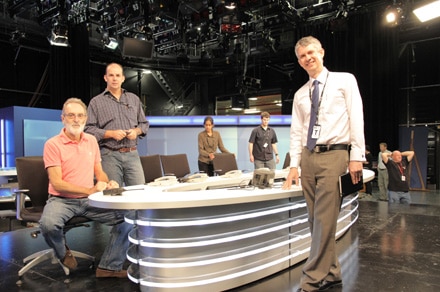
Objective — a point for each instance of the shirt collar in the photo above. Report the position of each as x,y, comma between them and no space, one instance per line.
108,93
67,140
321,77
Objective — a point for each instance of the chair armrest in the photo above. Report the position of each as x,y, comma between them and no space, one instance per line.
20,200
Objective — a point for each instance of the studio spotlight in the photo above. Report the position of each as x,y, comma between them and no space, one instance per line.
394,14
16,36
428,11
230,4
59,36
109,42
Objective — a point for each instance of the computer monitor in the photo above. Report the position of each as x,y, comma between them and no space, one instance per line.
5,192
36,133
137,48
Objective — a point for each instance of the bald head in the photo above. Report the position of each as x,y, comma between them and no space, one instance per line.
396,156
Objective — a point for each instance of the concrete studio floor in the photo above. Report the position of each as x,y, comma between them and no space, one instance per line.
390,248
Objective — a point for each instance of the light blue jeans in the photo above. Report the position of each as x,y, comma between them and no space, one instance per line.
58,211
399,197
124,168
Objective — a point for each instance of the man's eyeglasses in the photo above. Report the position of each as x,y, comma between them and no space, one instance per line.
71,116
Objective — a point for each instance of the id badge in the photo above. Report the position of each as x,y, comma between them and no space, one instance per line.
403,178
316,131
265,145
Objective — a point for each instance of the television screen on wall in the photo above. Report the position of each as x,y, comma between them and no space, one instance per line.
36,133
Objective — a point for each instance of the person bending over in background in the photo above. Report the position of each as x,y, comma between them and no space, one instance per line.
208,141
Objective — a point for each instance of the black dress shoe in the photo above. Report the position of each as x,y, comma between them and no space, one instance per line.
326,285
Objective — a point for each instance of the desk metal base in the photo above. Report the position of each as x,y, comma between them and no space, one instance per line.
215,248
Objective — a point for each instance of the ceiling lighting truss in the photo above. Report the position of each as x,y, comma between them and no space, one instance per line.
77,11
194,26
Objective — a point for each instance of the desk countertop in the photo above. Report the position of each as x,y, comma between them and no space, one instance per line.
9,171
185,195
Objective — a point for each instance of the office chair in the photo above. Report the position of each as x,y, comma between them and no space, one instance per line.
286,161
33,182
224,162
152,167
175,164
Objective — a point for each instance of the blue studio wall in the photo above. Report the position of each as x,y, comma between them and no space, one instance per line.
12,138
27,129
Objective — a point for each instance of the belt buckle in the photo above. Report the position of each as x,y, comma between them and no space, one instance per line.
127,149
321,148
317,149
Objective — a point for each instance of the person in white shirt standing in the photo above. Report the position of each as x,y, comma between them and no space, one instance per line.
338,145
382,173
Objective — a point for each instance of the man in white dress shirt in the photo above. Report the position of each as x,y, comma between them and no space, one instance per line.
340,145
382,173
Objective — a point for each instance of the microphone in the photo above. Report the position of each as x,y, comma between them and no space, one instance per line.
126,104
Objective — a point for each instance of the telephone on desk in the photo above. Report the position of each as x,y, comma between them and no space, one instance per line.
166,180
233,173
196,177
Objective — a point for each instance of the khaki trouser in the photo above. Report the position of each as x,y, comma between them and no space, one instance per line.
320,182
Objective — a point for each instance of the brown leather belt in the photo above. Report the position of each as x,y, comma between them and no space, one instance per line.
324,148
123,149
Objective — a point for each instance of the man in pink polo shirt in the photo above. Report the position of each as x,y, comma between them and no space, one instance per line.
73,162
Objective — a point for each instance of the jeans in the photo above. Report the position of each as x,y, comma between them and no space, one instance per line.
267,164
58,211
399,197
124,168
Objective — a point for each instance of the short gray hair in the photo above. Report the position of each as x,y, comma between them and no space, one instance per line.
74,100
305,41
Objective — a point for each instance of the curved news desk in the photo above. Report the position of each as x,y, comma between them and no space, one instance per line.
196,237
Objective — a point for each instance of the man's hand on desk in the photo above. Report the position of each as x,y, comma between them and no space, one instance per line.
101,186
292,176
112,185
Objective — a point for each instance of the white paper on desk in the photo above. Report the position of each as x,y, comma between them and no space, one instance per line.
346,186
